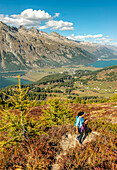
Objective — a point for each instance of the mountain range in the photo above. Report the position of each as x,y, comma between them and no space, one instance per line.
24,49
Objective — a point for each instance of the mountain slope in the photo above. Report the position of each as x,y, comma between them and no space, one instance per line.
31,49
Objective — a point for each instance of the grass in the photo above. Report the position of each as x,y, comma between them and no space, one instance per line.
96,89
35,75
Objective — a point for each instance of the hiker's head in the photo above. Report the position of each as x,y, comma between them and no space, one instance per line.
81,114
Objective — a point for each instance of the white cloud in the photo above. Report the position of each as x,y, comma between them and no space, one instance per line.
31,14
83,37
98,38
30,17
106,41
20,21
113,43
66,28
56,15
103,39
61,25
1,16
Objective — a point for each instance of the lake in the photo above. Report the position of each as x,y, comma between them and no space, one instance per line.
4,82
103,63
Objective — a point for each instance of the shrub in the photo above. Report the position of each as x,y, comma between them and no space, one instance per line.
57,113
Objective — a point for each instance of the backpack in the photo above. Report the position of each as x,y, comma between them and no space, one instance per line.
79,114
76,120
80,121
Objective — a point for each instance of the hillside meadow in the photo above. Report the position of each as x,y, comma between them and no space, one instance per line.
31,133
37,128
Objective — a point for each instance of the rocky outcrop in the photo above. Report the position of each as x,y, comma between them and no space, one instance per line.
68,142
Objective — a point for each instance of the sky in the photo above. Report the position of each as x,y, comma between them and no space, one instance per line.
81,20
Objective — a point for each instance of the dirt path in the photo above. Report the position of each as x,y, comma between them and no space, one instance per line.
69,141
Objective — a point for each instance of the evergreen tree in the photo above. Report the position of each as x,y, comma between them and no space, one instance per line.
15,125
57,113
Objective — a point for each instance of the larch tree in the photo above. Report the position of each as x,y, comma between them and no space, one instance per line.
15,123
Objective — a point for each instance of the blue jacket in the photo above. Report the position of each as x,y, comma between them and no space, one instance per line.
79,121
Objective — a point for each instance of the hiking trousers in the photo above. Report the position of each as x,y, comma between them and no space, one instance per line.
80,136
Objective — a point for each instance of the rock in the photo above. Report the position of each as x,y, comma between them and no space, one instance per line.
68,141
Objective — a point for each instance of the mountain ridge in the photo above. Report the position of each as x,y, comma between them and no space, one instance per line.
31,48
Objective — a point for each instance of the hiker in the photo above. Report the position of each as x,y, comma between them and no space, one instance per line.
79,125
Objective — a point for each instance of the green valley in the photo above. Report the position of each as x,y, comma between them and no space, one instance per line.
89,85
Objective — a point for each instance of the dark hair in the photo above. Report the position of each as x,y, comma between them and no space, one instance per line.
80,114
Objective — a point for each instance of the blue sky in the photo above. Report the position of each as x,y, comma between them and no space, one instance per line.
82,20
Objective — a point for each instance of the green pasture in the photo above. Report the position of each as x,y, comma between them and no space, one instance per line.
35,75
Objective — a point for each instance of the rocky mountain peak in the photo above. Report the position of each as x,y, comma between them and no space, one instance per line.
22,28
7,28
43,33
54,34
34,30
1,23
3,26
57,35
